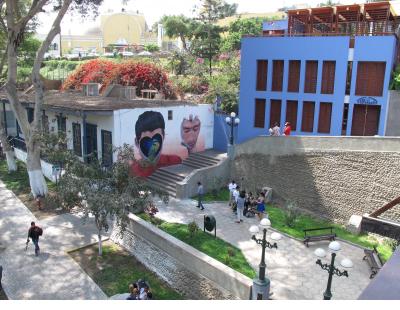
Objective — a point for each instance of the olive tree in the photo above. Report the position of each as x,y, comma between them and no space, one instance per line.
106,194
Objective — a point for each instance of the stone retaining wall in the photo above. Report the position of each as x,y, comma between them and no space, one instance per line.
332,183
200,264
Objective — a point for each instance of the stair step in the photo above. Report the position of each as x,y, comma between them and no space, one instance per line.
189,164
170,174
201,161
166,178
206,157
163,183
196,163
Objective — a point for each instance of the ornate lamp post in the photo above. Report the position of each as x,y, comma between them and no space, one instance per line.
261,285
334,246
232,121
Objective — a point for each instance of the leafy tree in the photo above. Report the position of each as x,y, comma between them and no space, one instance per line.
151,47
180,26
106,194
239,28
208,34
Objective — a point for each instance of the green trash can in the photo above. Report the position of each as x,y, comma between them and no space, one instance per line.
210,224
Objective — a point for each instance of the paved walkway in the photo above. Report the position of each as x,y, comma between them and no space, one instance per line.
292,268
54,274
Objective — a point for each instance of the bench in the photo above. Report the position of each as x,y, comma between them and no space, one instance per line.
374,261
331,235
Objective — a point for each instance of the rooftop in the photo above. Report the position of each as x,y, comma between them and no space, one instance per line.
76,102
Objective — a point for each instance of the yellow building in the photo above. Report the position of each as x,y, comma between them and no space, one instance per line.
124,28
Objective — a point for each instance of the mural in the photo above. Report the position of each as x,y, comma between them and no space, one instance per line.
165,136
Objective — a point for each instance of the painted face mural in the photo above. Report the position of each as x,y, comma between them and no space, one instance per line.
150,134
190,129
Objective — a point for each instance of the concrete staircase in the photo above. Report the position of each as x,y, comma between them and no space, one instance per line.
167,177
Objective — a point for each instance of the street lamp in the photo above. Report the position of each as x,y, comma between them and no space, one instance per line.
232,121
261,285
334,246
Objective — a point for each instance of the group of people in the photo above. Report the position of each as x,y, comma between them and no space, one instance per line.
276,130
139,291
243,203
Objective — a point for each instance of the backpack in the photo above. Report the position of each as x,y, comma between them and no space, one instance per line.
38,231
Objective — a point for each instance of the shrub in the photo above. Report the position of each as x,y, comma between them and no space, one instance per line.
143,75
151,47
221,86
24,74
193,228
95,71
291,214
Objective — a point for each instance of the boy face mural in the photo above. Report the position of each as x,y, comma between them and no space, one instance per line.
190,129
150,134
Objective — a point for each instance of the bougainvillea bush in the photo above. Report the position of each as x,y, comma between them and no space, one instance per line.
143,75
92,71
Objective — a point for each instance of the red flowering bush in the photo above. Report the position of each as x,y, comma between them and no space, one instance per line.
93,71
128,73
143,75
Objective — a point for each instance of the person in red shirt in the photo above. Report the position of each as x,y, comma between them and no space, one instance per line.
150,134
288,129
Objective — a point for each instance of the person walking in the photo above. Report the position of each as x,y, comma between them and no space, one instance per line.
200,193
287,130
34,233
240,206
232,186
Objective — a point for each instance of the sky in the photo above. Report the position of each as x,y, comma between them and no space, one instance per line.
153,10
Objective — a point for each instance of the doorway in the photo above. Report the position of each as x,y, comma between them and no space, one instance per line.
365,120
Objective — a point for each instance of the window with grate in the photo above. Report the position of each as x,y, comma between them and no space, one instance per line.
259,114
370,78
262,71
310,83
29,112
291,113
277,75
106,148
328,77
77,139
45,123
325,116
294,76
275,113
307,122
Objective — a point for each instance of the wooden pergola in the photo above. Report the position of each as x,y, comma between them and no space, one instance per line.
376,18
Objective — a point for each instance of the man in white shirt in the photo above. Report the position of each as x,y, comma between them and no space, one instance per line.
232,186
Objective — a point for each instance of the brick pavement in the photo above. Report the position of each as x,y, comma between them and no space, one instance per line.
54,274
292,268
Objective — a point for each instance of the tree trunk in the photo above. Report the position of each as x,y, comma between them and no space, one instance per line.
34,167
7,149
100,243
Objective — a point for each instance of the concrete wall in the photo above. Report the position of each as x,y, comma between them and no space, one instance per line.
329,176
210,177
227,278
303,49
47,168
393,125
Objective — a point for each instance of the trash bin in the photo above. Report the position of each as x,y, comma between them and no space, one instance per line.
210,224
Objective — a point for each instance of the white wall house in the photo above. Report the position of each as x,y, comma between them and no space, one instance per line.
95,125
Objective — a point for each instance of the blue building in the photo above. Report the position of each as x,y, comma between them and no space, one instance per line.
327,73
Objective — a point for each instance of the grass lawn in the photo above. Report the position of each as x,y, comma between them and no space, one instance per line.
117,268
276,216
206,243
18,183
221,195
